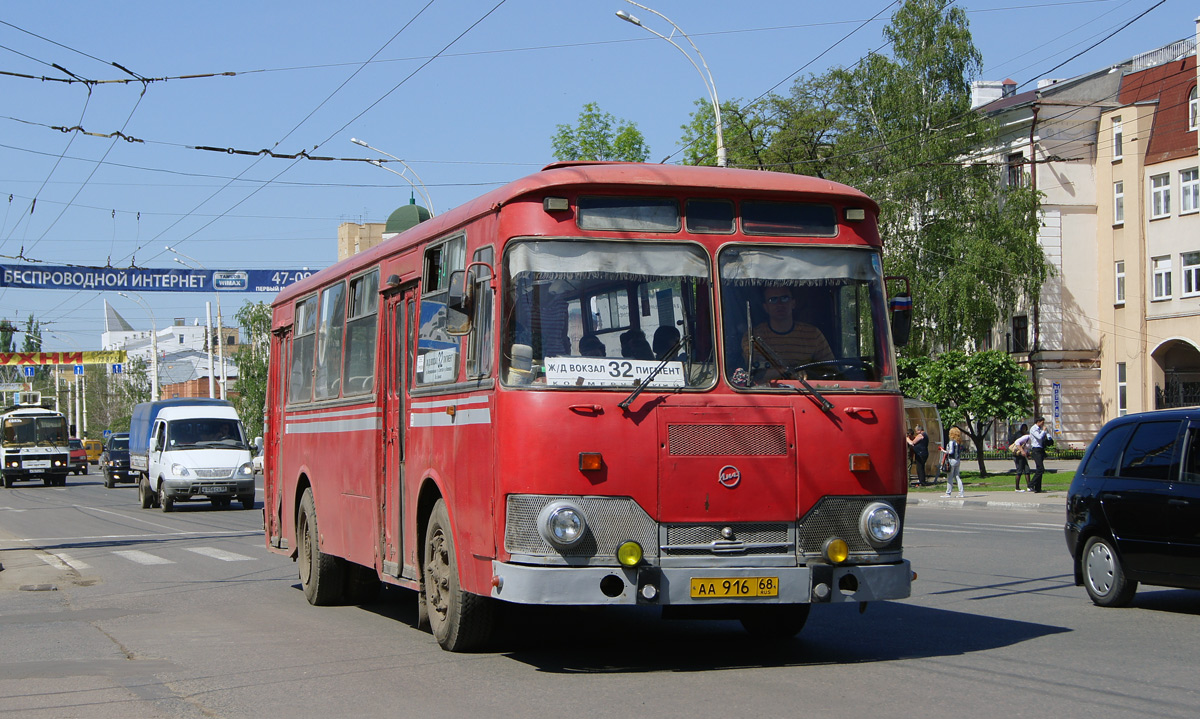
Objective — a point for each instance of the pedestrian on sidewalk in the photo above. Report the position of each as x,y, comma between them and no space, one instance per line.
1039,440
951,455
919,443
1020,453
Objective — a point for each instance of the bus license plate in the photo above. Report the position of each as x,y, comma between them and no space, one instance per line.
724,588
36,464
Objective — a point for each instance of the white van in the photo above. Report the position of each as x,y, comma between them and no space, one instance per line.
197,452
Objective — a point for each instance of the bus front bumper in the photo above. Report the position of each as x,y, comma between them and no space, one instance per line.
693,586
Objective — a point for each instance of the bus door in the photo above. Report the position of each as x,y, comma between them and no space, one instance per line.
273,434
397,322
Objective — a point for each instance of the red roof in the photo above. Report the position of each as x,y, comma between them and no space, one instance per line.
1169,84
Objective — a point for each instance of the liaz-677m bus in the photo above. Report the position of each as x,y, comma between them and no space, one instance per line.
601,384
33,442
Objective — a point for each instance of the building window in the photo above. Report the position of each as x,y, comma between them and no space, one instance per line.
1193,109
1160,196
1122,391
1016,163
1118,203
1118,139
1020,333
1161,281
1121,282
1189,189
1191,273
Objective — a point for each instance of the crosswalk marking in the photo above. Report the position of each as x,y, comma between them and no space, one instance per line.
220,554
140,557
64,562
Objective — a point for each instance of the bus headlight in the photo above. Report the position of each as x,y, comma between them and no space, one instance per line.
561,523
880,524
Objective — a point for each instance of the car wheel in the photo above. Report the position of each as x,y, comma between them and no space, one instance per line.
1103,576
108,481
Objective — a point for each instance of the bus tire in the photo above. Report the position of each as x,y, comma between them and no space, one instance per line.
774,622
460,621
321,574
8,481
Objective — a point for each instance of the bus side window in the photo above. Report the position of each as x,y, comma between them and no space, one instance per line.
303,348
437,350
359,371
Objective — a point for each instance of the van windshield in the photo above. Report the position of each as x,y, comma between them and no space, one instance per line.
207,433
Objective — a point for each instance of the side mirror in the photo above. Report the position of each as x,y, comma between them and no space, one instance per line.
460,301
258,445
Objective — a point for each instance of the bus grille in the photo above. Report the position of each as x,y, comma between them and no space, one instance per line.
839,517
611,521
718,439
698,540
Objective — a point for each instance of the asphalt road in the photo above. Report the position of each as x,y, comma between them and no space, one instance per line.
187,615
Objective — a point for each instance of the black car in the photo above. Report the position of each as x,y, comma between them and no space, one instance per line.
1133,512
114,461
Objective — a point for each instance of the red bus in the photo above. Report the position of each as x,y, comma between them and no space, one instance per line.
601,384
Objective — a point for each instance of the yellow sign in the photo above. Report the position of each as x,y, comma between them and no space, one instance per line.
63,358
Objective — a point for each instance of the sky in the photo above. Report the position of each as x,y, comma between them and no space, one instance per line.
467,92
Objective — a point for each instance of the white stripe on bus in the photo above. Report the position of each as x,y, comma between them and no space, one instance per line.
441,419
335,425
474,399
335,413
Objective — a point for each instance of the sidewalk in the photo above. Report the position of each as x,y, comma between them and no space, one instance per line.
1054,502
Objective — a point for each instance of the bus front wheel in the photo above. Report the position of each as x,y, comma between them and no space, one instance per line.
460,621
321,574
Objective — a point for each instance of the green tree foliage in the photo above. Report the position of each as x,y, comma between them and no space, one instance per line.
251,360
599,136
901,129
971,390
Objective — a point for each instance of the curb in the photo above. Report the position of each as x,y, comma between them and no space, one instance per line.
966,503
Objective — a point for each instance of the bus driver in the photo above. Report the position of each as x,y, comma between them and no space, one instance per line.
793,342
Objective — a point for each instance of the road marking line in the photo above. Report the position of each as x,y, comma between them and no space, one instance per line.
1011,528
220,554
140,557
150,537
124,516
11,509
911,528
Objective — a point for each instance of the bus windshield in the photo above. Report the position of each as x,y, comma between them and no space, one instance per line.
589,314
31,431
801,312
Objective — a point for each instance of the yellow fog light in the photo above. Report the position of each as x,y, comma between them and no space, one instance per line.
836,550
629,554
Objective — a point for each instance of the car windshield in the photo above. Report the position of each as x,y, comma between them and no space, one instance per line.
805,313
211,433
75,444
119,444
596,314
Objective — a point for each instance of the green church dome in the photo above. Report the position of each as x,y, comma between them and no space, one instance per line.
406,217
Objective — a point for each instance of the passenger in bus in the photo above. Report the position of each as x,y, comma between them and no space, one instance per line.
794,342
665,339
635,346
591,346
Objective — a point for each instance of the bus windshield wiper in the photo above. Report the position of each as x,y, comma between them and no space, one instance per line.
624,404
788,373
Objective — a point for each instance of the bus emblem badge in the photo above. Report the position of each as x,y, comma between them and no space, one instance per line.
729,476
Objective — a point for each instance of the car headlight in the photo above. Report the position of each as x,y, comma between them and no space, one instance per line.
561,523
246,469
880,524
179,470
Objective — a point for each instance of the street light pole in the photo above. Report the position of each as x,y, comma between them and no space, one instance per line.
220,338
705,74
153,344
422,189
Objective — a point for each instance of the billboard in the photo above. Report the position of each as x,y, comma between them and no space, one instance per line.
137,279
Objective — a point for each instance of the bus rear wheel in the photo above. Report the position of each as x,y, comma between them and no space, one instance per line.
460,621
321,574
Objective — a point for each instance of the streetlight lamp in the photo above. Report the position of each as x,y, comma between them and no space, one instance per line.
153,344
377,163
220,331
705,75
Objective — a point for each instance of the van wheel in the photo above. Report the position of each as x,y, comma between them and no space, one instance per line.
1103,576
144,497
460,621
164,501
247,501
321,574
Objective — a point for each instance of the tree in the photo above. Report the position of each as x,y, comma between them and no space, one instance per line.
251,360
972,390
599,136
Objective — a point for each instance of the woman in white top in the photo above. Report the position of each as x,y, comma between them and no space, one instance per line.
951,453
1020,452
